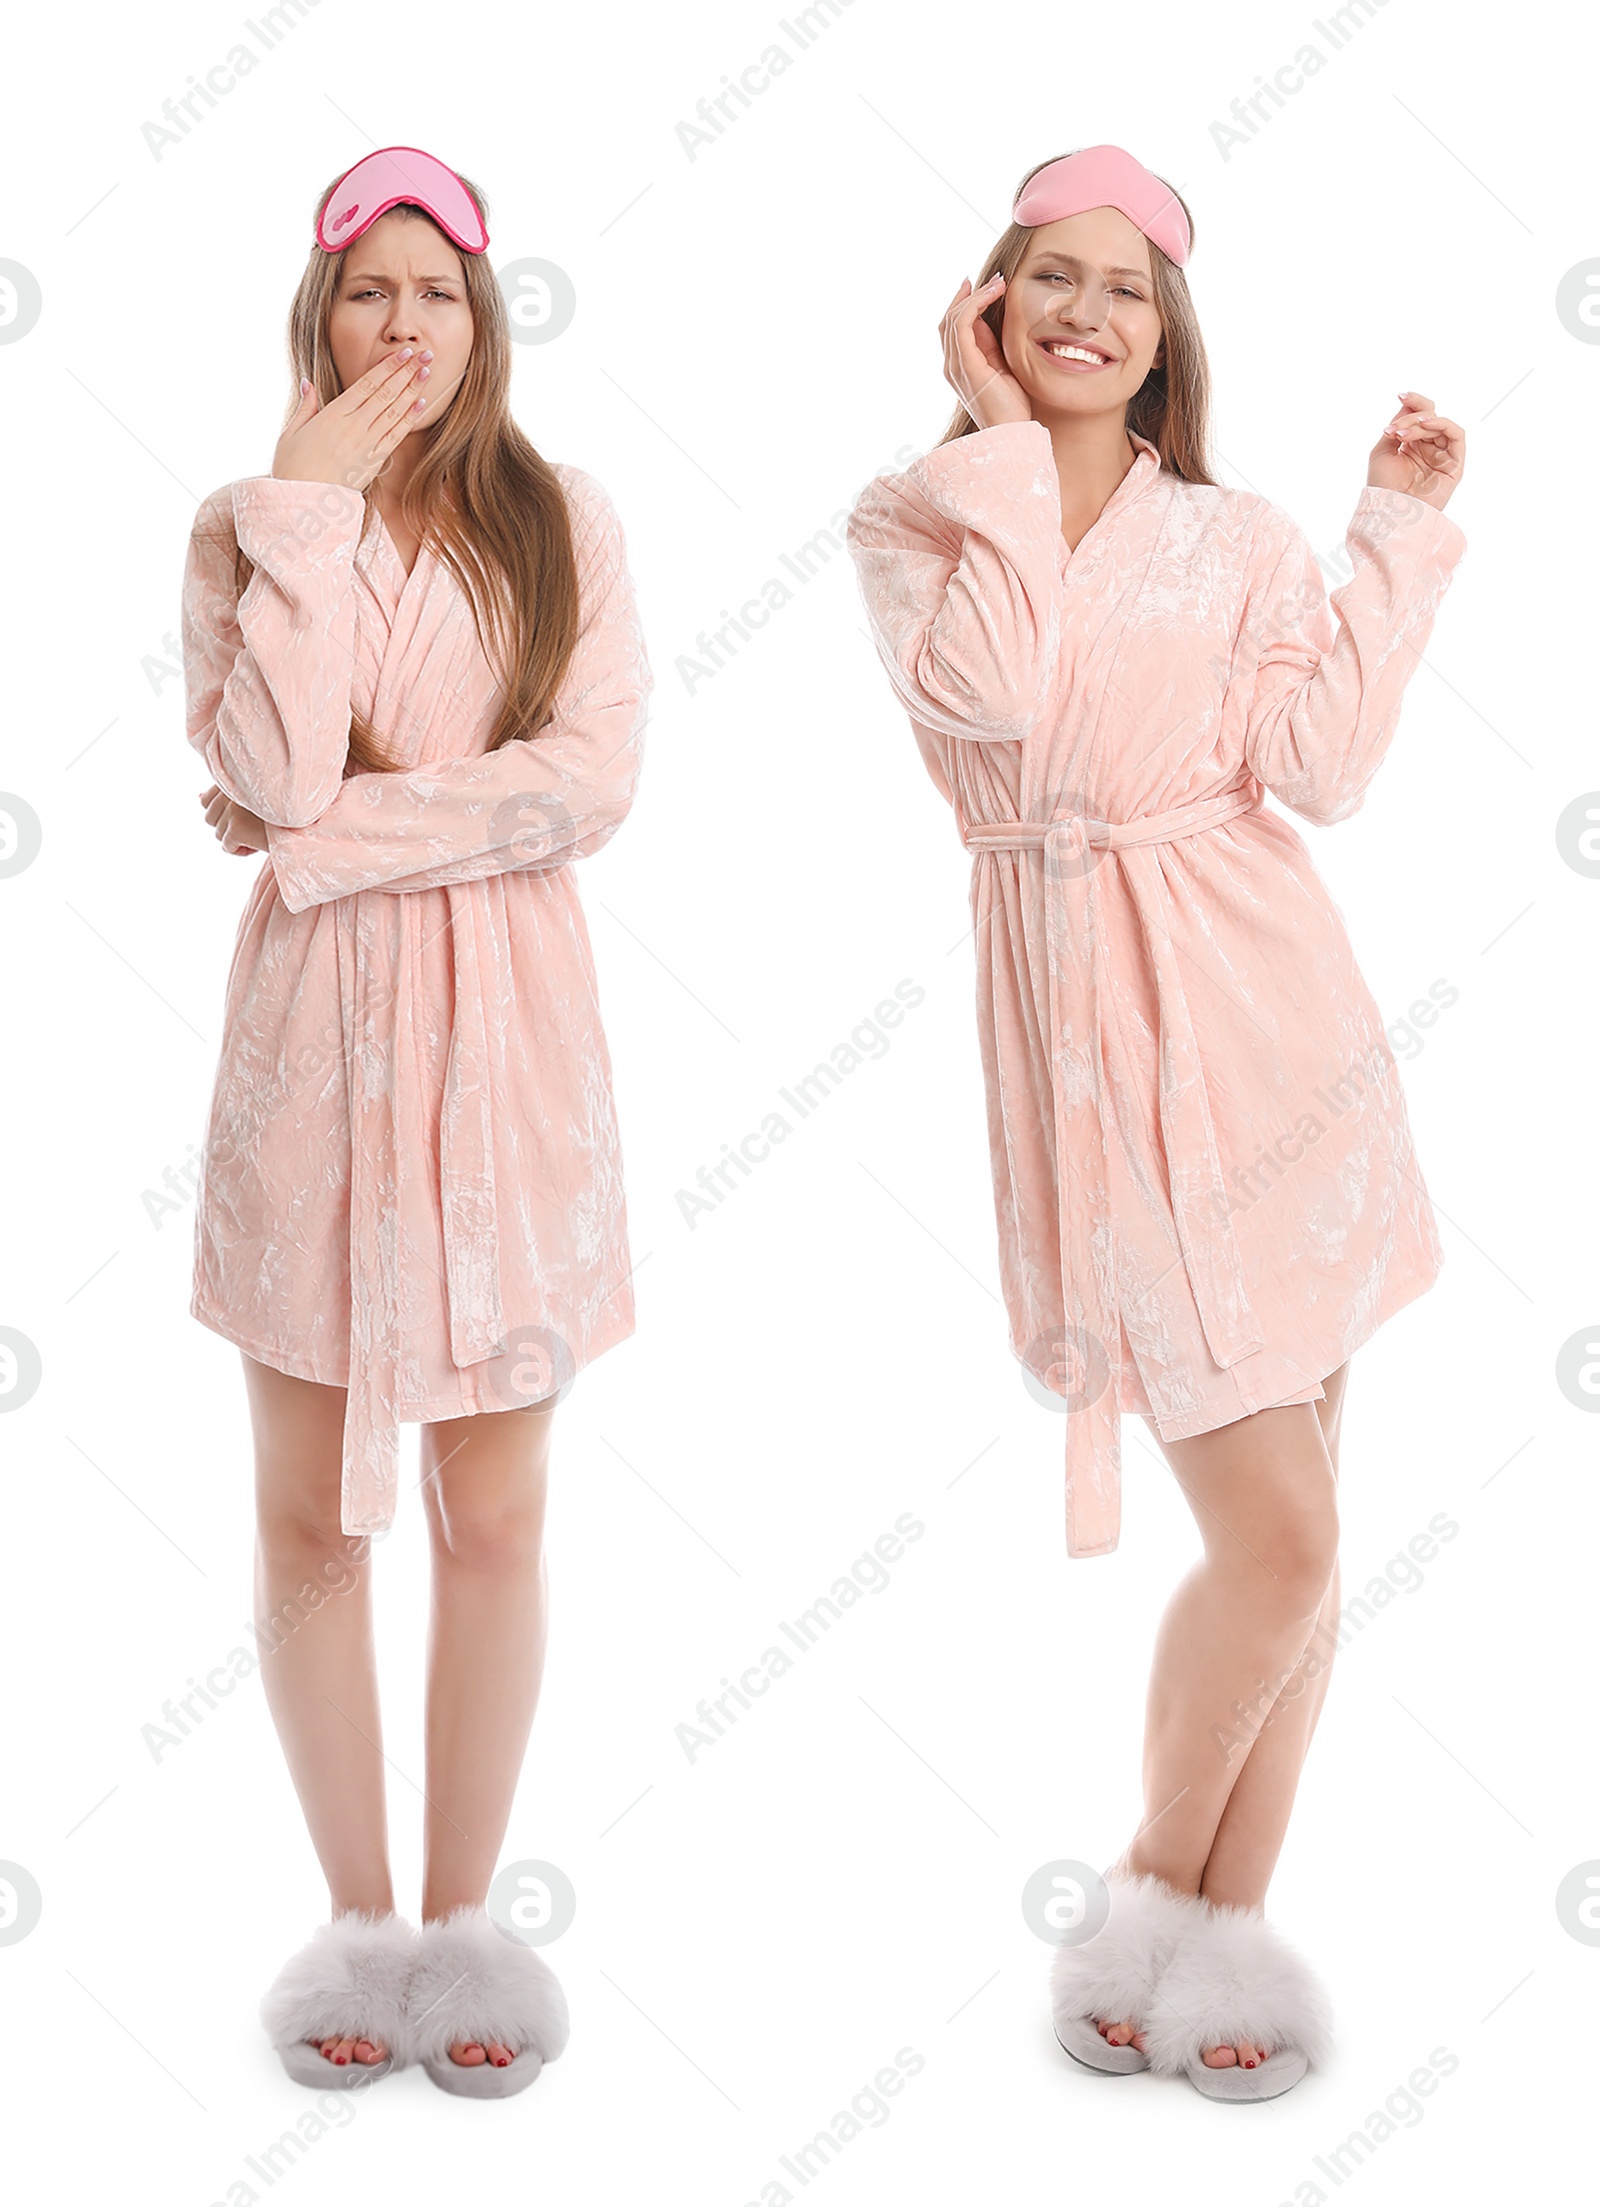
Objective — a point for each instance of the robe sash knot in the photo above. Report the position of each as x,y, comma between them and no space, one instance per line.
1082,1366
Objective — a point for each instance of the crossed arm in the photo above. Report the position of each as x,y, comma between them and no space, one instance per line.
264,715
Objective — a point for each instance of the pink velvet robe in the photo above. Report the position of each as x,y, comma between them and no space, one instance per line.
1205,1187
412,1182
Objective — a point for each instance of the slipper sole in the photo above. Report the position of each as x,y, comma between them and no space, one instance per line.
307,2064
1084,2043
481,2080
1279,2073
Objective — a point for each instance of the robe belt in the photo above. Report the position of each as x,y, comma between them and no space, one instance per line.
1085,1368
388,1148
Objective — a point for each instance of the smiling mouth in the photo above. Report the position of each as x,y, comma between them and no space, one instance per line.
1082,358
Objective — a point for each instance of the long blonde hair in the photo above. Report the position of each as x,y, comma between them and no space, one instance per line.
1172,406
480,497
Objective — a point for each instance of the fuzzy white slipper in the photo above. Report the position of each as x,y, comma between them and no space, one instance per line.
1114,1975
1233,1976
350,1980
474,1981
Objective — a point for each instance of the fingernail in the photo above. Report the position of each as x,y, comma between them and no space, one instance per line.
304,386
405,352
427,356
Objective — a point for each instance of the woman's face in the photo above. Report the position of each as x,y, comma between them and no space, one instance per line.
402,284
1083,282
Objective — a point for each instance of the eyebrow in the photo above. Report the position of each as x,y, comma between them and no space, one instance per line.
1073,261
372,276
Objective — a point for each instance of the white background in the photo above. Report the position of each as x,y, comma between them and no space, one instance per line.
759,1931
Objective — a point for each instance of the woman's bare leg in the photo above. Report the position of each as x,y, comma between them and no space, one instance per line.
484,1483
1249,1838
1233,1637
313,1618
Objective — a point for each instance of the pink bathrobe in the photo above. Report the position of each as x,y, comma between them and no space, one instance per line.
412,1181
1204,1179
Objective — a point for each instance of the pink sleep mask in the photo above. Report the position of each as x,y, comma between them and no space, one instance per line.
386,178
1105,176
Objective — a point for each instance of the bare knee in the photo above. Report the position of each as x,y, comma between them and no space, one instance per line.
298,1525
477,1538
1298,1550
484,1526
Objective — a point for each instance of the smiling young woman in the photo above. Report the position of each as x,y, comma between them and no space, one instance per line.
1205,1186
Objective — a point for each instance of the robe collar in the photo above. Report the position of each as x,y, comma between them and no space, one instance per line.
1146,467
377,557
1145,471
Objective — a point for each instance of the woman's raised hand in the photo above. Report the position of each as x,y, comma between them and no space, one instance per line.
239,832
1419,452
348,440
974,366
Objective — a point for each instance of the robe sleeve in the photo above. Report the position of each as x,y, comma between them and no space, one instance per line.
267,675
529,806
959,562
1325,700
